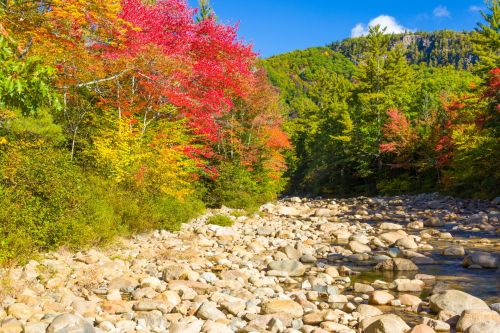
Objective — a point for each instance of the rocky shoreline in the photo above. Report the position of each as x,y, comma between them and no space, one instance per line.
299,265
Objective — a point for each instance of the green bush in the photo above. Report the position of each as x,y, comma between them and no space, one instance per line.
220,220
396,185
237,187
47,202
170,213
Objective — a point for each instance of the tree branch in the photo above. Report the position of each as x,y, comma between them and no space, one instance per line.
91,83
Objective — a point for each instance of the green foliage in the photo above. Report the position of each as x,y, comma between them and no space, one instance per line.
24,82
396,185
486,39
47,202
240,188
205,11
220,220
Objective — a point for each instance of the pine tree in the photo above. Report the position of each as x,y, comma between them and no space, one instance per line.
383,81
486,39
206,11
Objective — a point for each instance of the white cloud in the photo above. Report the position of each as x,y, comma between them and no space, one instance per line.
441,11
385,21
475,8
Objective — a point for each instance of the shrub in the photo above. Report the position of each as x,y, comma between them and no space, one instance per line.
237,187
47,202
220,220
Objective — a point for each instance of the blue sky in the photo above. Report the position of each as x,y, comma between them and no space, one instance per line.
277,26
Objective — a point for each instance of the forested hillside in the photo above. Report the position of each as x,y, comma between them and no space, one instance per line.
131,117
394,113
440,48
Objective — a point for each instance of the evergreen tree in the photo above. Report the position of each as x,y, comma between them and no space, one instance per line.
205,11
486,39
383,79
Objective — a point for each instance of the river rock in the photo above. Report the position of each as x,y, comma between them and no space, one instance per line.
410,300
287,211
209,311
390,238
409,285
358,247
387,323
390,226
379,297
213,327
20,311
282,306
290,267
484,327
437,325
483,259
366,311
406,243
397,264
434,222
416,225
456,301
455,250
363,288
471,317
422,329
67,322
192,327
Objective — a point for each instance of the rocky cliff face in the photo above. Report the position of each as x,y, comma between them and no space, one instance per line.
441,48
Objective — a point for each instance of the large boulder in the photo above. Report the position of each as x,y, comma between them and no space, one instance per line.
471,317
484,327
483,259
456,301
386,323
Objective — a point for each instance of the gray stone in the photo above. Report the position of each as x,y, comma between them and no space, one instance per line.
455,250
291,267
386,323
484,327
483,259
471,317
209,311
69,323
456,301
397,264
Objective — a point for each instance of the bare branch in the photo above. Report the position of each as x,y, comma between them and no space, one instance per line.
91,83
